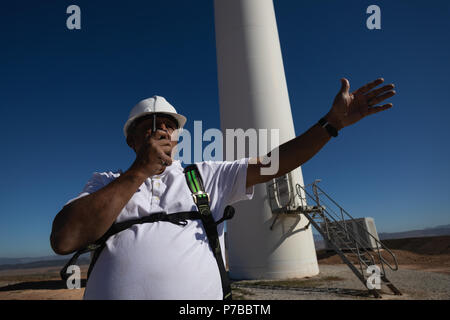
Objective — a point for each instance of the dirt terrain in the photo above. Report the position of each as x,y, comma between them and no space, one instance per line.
38,284
421,261
426,254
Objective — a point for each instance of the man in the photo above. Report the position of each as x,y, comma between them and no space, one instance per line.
163,260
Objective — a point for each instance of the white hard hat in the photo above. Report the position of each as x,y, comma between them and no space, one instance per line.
155,104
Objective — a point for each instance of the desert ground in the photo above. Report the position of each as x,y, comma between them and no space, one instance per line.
424,274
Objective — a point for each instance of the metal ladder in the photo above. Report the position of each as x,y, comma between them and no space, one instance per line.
333,227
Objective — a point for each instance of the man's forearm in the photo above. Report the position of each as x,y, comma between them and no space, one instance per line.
299,150
293,153
85,220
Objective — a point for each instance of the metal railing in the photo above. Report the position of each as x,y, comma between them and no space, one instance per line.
335,228
341,220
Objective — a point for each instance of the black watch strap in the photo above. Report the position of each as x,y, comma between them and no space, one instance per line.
332,131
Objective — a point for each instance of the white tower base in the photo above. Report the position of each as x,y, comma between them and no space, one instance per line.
253,94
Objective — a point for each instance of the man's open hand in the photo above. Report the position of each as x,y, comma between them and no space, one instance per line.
349,108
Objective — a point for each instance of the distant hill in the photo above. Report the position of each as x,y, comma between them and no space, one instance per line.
52,261
29,260
442,230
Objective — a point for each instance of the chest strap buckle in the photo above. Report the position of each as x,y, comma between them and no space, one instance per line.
200,198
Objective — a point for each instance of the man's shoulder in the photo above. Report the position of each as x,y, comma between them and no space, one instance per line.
214,169
209,165
213,164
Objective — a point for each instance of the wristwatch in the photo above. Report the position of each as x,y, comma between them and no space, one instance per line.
330,129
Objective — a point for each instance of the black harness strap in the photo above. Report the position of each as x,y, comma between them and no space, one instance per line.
201,199
178,218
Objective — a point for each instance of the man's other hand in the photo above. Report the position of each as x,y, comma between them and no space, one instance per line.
154,154
349,108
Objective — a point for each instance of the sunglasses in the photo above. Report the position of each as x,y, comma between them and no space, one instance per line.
170,124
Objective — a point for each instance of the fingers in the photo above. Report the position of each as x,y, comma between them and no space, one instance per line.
369,86
159,144
158,134
162,149
160,138
381,97
345,85
376,109
379,91
162,134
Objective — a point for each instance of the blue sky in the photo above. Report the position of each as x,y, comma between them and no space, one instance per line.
65,95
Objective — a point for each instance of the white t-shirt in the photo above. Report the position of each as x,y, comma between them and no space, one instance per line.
162,260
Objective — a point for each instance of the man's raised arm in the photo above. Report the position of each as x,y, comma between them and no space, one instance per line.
348,108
